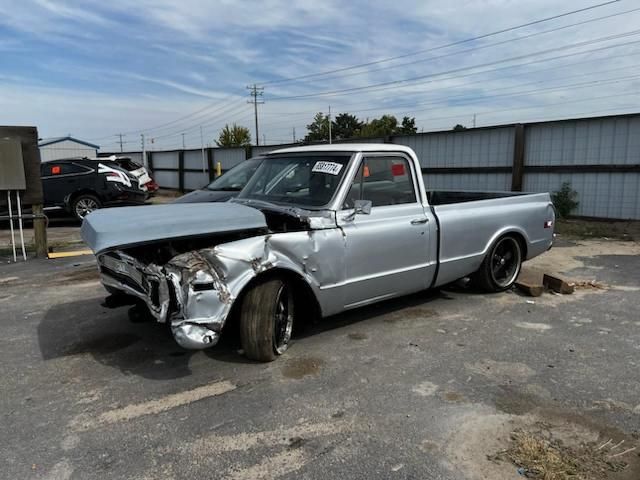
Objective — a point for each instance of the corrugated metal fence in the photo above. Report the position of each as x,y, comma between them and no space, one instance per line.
600,157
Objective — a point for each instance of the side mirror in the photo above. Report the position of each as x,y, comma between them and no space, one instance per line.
362,207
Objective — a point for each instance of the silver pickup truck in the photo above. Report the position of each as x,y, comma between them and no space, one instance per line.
316,231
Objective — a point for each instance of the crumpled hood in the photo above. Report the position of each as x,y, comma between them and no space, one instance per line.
111,228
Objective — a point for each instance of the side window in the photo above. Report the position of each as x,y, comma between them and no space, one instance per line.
53,169
384,181
76,168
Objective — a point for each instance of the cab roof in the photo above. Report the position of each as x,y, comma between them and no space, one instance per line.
346,147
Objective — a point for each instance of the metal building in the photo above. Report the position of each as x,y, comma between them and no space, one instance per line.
65,147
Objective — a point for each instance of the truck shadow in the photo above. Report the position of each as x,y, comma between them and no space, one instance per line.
147,349
84,327
385,309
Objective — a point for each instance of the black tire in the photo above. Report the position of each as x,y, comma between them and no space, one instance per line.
501,267
84,204
266,320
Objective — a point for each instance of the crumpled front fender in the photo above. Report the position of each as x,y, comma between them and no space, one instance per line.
207,282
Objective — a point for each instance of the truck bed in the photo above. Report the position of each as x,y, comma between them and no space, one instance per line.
469,222
446,197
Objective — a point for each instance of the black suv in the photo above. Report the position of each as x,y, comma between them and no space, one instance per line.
81,185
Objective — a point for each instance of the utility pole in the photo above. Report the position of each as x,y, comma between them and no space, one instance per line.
120,135
474,120
329,118
294,134
256,92
144,150
183,141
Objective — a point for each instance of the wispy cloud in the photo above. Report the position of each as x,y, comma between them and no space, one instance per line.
175,85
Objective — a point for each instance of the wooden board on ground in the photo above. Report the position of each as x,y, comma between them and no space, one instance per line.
530,281
558,284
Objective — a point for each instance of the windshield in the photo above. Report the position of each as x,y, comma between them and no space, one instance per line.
235,179
309,180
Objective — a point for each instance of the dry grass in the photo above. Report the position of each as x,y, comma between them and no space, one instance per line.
538,455
582,229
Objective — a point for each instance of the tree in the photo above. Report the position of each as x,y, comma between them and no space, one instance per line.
318,129
459,128
408,126
380,127
345,126
565,200
234,136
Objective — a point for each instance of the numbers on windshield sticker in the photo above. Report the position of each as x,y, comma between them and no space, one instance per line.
331,168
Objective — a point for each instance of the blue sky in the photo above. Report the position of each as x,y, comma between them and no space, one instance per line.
95,69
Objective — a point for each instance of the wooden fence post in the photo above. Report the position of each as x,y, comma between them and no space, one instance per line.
39,231
150,161
181,171
517,171
210,164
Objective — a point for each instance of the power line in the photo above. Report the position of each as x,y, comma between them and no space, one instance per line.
455,77
480,47
223,104
461,69
391,106
573,86
227,111
452,44
544,105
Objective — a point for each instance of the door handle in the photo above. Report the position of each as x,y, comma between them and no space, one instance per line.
419,221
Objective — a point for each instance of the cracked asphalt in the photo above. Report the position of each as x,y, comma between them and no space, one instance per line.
423,387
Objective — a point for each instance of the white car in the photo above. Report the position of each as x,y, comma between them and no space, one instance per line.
139,172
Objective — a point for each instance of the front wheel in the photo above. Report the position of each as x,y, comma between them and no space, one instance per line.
266,320
501,267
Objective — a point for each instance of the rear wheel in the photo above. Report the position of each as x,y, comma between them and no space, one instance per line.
501,266
84,204
266,320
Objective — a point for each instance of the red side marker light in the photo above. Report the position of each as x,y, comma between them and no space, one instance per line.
55,170
397,169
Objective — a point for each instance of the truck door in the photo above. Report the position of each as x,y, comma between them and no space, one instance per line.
387,250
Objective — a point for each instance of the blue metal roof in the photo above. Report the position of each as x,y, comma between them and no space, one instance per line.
50,141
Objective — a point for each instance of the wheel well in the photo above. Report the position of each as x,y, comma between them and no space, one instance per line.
306,301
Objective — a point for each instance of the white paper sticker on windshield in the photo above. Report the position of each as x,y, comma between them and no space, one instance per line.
331,168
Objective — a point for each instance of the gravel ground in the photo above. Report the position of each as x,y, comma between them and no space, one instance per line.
423,387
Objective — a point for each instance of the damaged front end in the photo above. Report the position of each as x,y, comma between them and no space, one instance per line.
191,283
186,292
148,261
